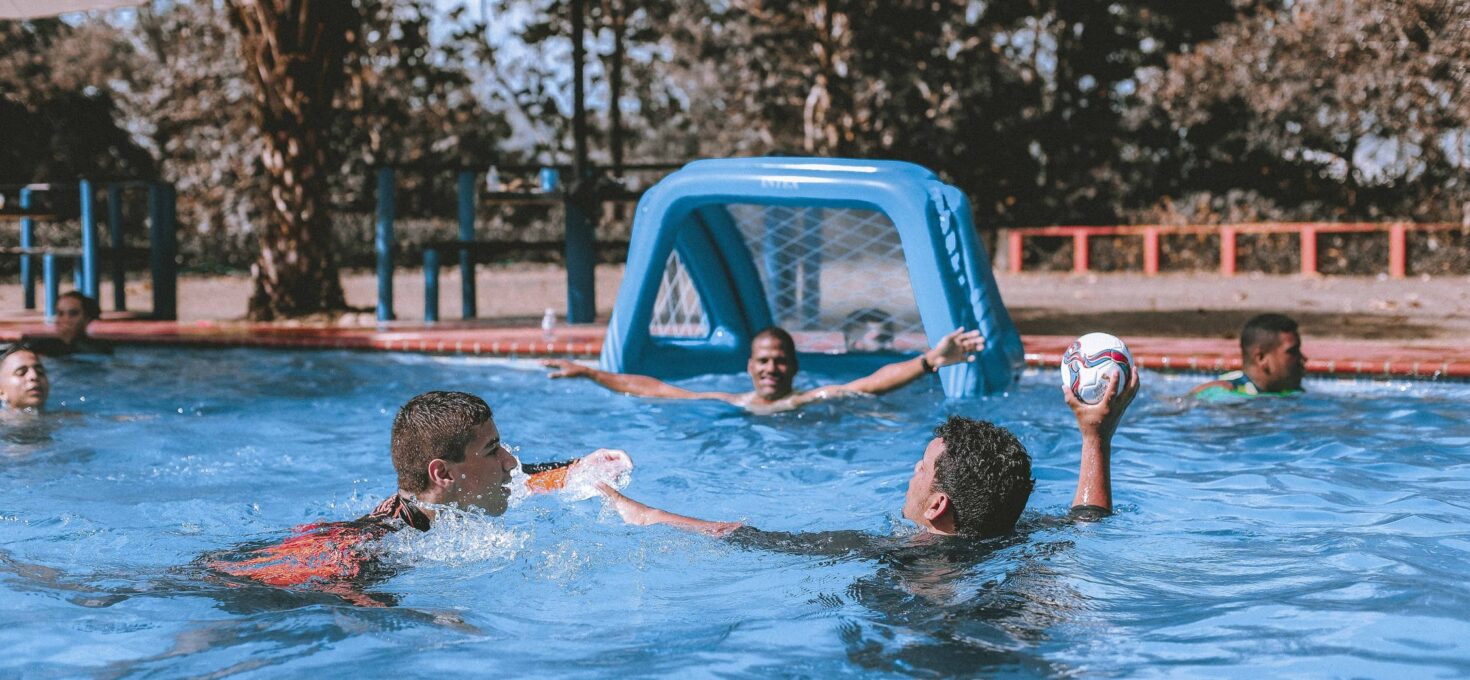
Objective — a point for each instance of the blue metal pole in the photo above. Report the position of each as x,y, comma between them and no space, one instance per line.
581,287
466,233
27,240
383,243
48,272
431,285
163,249
115,232
89,241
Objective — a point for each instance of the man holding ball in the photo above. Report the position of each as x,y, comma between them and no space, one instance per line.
972,480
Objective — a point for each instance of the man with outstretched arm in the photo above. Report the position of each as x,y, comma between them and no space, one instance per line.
446,450
772,367
972,481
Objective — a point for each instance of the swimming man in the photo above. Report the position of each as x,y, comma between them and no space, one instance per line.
446,450
23,382
1271,361
972,480
772,367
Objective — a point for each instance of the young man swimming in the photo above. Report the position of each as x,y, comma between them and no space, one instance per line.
972,480
23,382
772,367
1271,361
446,450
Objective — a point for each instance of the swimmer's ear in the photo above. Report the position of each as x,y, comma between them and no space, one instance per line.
938,505
439,474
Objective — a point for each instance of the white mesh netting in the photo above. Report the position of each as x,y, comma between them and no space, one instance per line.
835,278
677,311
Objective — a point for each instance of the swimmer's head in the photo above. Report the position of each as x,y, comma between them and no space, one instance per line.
772,365
868,330
446,449
973,480
1271,353
23,381
74,311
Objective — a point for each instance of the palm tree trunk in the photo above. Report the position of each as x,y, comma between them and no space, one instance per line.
296,53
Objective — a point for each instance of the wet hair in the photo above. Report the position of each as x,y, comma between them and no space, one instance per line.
1264,332
986,473
433,425
780,335
90,308
858,323
18,346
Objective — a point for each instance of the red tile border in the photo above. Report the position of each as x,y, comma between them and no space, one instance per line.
1206,355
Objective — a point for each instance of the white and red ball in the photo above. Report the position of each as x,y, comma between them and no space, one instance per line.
1089,361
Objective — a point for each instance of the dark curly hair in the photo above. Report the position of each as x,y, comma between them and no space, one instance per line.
434,425
986,473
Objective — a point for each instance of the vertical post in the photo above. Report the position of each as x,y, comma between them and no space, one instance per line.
431,285
383,243
579,91
1227,251
1079,252
466,233
27,240
780,263
1398,251
1014,252
581,263
89,241
115,239
48,272
810,256
163,249
1309,250
1151,251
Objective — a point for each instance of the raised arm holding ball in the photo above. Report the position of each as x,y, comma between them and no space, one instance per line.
974,477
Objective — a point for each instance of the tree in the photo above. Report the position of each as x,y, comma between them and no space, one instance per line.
296,54
1351,108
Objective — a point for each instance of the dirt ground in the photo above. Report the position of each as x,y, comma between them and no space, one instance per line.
1421,310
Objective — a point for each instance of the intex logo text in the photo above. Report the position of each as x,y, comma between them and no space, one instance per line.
772,183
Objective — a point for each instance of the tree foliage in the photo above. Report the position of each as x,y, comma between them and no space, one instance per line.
1044,111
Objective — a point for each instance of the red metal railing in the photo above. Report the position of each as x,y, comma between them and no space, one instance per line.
1397,233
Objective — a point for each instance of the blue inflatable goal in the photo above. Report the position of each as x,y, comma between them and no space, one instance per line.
862,261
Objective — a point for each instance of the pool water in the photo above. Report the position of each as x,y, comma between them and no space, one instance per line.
1319,535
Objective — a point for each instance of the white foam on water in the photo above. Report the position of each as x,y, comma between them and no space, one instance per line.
459,537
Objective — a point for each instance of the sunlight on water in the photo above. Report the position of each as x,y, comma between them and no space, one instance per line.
1316,535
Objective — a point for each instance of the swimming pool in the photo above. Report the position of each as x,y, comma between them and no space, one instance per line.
1321,535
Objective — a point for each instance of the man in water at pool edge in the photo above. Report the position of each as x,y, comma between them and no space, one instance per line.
773,366
23,381
973,479
1271,361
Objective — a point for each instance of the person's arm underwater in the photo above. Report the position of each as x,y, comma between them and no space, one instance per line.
638,514
627,383
951,349
1097,422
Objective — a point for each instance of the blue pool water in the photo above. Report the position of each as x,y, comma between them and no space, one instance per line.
1321,535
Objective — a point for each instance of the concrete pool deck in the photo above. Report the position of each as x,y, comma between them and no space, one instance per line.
1327,356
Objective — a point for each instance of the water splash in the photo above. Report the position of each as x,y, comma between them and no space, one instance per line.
460,536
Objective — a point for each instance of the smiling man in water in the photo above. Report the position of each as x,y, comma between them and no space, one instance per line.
772,368
972,481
